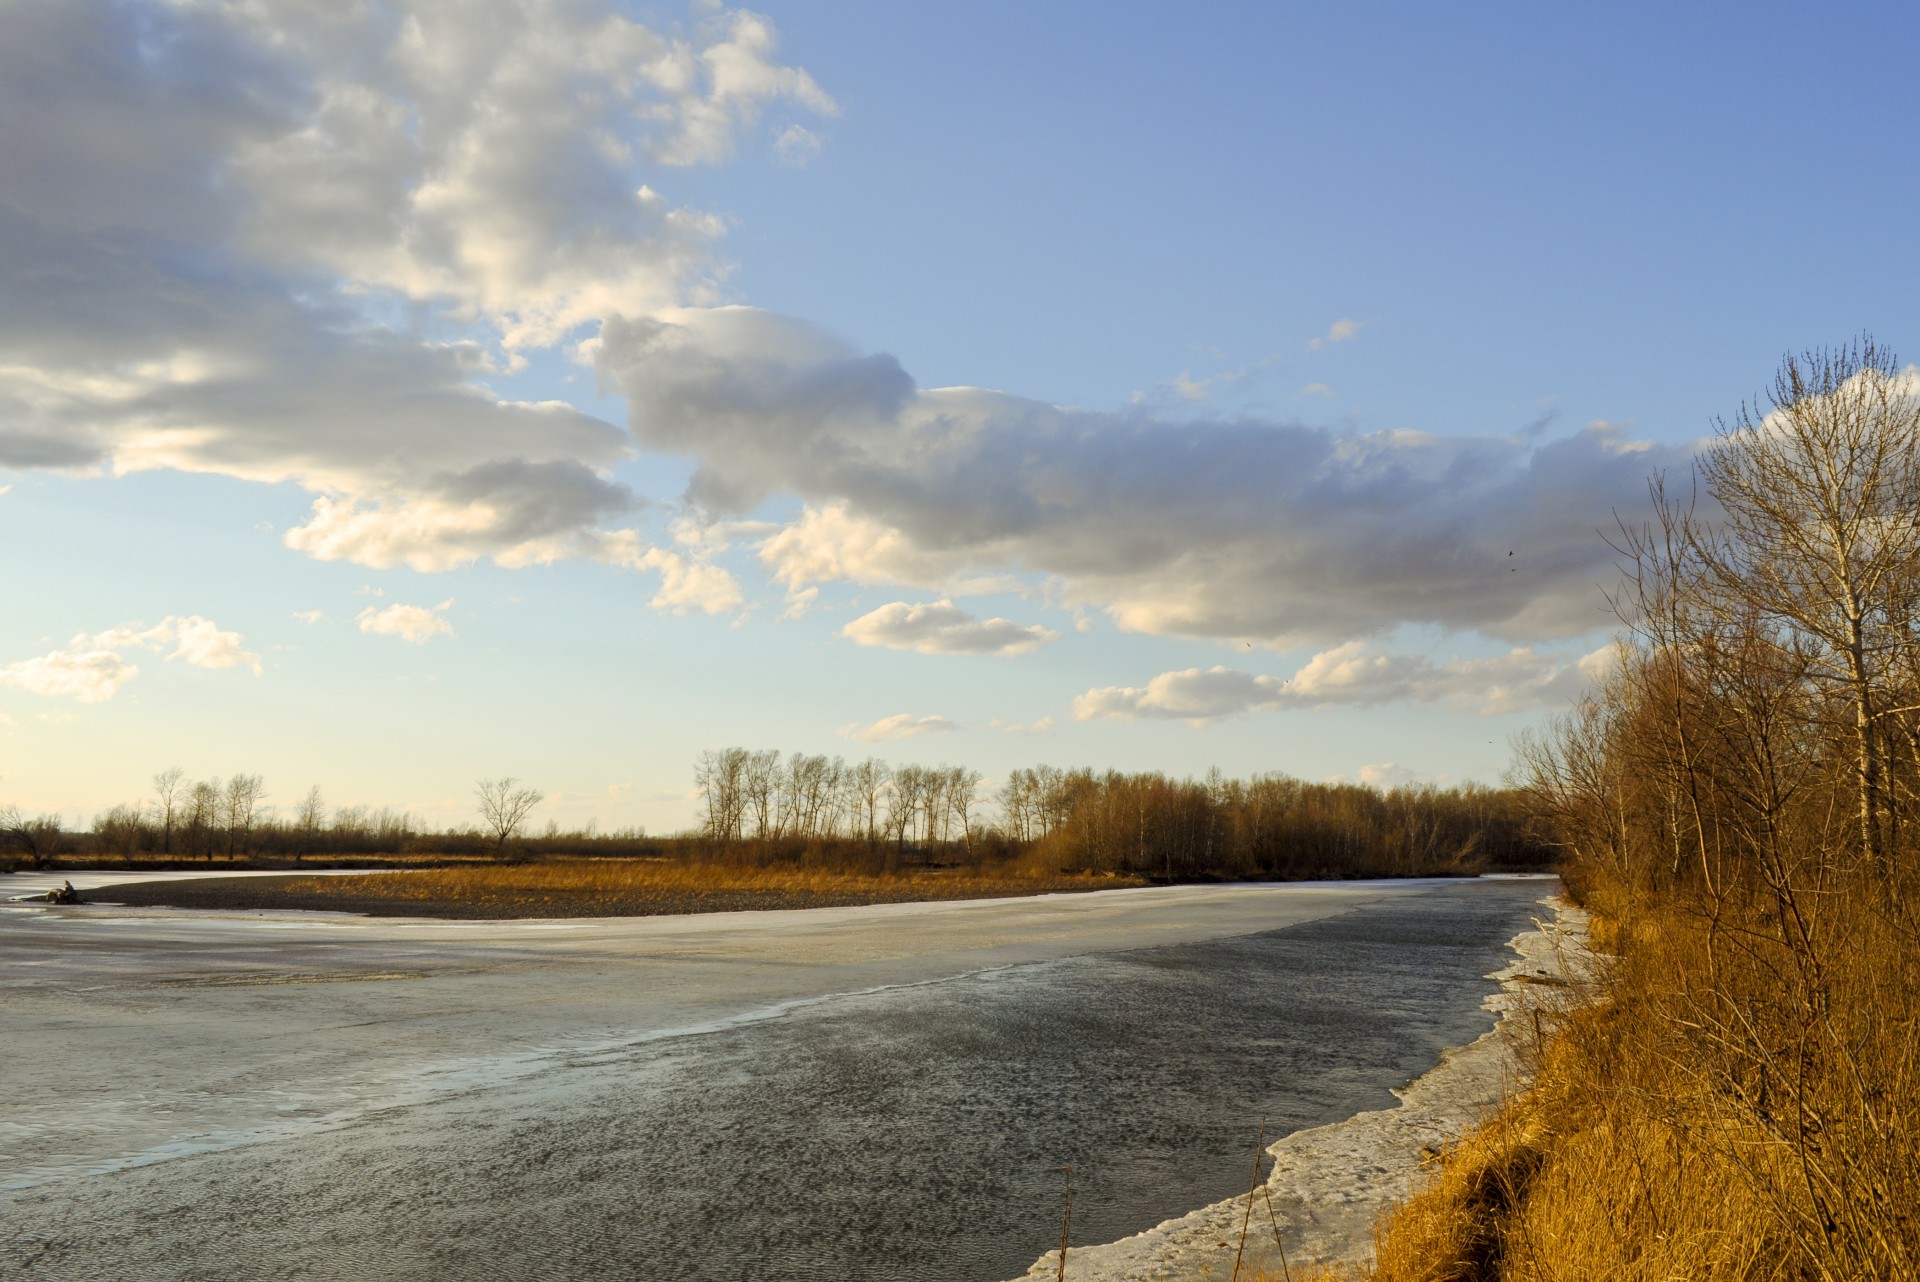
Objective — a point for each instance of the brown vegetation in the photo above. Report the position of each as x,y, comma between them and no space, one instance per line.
763,810
1740,806
597,888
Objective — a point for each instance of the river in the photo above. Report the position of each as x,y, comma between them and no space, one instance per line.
884,1093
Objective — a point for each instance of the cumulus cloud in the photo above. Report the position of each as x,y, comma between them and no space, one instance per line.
91,668
417,624
1240,528
1045,725
190,638
944,628
902,725
90,676
687,583
291,243
216,218
1353,675
1194,695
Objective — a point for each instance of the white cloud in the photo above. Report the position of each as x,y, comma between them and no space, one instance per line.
902,725
1316,389
687,583
1194,695
195,640
309,616
1341,331
90,676
1387,775
1353,675
199,201
797,146
1045,725
1242,528
91,668
415,623
944,628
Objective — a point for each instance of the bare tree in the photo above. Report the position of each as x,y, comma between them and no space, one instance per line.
38,839
868,785
1821,535
169,789
241,808
962,795
760,784
203,814
720,774
120,830
504,807
310,819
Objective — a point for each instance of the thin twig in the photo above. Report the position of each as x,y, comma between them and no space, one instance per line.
1253,1186
1066,1224
1286,1274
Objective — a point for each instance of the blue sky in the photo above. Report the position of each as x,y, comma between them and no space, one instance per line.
360,425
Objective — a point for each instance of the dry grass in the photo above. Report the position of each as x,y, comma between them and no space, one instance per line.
616,887
1728,1114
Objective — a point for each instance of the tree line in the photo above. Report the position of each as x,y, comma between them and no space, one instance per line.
757,801
206,819
766,807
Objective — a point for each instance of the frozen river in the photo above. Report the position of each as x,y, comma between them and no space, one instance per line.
871,1093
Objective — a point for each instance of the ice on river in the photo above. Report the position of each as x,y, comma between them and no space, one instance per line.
1328,1186
135,1035
204,1047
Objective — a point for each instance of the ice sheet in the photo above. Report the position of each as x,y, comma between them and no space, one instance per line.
1328,1185
133,1036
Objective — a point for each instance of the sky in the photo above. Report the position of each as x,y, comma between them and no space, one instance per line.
402,393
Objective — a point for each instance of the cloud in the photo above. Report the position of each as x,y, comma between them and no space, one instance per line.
309,616
1189,388
1316,389
1194,695
902,725
414,623
944,628
1353,675
90,676
687,583
289,243
1045,725
91,668
797,146
1341,331
1387,775
1245,528
197,641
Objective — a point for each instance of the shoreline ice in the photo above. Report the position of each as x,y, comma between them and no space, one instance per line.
1329,1184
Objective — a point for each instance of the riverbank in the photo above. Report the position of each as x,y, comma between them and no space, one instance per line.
1328,1187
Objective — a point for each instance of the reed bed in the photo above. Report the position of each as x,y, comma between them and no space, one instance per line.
618,887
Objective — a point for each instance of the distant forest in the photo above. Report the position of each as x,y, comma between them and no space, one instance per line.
761,807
